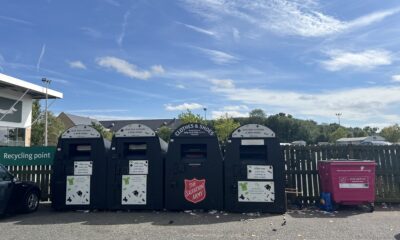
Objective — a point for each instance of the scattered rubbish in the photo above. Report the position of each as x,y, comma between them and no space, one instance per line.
253,235
83,211
170,222
384,205
274,229
217,216
284,223
331,221
188,211
256,214
212,211
193,214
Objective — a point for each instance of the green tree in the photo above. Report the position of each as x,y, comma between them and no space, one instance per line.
37,129
257,116
189,117
391,133
370,130
357,132
54,129
340,132
224,126
164,133
107,134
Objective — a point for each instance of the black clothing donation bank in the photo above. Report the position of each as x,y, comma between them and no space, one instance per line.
79,171
254,171
193,169
135,169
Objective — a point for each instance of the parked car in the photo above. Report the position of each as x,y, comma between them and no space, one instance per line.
376,143
16,195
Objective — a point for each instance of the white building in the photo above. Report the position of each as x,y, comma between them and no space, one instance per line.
360,140
16,97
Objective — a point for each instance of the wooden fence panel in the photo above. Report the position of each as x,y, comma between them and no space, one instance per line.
39,174
302,165
301,170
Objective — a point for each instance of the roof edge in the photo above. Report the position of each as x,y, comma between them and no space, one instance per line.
27,85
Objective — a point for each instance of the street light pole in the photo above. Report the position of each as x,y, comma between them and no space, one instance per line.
205,113
338,115
47,83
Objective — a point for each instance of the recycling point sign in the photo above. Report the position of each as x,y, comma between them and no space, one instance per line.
23,156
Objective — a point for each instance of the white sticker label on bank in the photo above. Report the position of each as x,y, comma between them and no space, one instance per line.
256,191
251,142
354,182
134,190
138,167
83,167
260,172
78,190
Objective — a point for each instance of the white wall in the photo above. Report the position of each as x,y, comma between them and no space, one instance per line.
26,108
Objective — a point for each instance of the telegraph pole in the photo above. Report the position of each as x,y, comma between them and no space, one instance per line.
338,115
205,113
47,83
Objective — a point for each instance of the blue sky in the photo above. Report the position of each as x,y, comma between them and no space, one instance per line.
117,59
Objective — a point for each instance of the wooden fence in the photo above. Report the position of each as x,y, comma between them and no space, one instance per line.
39,174
301,170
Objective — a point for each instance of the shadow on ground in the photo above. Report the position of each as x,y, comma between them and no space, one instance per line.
45,215
341,212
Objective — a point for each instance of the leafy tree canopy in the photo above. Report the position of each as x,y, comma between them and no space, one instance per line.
190,117
224,126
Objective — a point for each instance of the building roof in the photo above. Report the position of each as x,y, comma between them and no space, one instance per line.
79,120
36,91
362,139
115,125
355,139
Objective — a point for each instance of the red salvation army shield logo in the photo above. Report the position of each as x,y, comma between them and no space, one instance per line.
195,190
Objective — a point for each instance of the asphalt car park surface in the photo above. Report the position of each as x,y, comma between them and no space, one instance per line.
310,223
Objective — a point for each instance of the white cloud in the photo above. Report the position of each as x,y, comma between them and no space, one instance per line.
359,104
361,60
42,52
372,18
236,34
219,57
396,78
180,86
77,64
157,69
128,69
16,20
200,30
91,32
231,111
295,17
234,114
183,107
236,108
121,36
222,83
